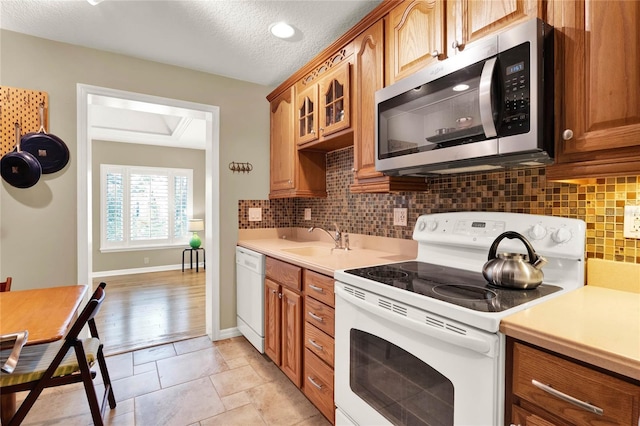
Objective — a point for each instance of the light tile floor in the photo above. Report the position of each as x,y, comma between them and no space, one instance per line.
186,383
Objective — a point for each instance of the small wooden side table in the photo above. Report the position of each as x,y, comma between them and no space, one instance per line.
197,250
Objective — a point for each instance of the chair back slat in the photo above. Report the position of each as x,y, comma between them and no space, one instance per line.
88,313
5,285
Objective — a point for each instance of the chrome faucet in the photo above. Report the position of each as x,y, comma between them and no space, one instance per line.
337,237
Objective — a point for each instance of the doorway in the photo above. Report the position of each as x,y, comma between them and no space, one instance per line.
88,97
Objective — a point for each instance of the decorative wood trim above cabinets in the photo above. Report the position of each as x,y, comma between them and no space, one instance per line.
326,66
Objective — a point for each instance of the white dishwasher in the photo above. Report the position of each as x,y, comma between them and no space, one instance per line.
250,295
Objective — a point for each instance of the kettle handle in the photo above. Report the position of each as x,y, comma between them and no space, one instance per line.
533,256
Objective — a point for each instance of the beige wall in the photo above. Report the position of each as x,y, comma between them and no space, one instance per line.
38,225
104,152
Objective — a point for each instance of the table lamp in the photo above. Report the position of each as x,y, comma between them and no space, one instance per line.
194,226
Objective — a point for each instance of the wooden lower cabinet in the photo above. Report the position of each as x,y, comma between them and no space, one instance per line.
549,389
283,317
319,328
318,384
301,341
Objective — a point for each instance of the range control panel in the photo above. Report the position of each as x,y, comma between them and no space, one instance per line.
557,236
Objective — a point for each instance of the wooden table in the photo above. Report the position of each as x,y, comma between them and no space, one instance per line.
45,313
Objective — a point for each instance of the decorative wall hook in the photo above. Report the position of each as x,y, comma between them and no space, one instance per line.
240,167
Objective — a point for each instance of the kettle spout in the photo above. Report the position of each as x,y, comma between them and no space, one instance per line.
539,263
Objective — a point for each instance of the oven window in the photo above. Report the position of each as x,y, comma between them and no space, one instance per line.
398,385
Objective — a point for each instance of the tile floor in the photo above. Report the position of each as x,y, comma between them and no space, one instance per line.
186,383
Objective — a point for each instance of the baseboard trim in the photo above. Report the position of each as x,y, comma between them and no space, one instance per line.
228,333
116,272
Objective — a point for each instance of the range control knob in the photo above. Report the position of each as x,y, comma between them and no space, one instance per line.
562,235
537,232
421,225
432,225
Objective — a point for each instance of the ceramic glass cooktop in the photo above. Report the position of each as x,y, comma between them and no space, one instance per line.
463,288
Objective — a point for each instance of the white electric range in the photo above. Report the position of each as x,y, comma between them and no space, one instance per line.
417,343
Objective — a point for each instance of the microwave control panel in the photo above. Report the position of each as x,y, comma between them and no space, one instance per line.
516,78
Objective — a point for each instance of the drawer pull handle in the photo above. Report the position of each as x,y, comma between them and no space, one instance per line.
316,288
315,317
314,383
568,398
315,345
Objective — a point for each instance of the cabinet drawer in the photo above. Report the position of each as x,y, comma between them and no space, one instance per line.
520,416
318,384
284,273
320,315
560,378
319,287
319,343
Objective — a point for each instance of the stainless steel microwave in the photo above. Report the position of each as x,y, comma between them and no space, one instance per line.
489,107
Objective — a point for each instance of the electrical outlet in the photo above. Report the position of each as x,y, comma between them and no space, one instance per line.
307,214
146,260
631,221
400,217
255,214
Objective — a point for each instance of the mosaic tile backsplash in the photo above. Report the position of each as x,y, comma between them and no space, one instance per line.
600,204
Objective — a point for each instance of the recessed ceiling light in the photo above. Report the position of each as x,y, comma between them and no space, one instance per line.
93,2
460,87
282,30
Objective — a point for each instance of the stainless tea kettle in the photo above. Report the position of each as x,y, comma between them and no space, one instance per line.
513,270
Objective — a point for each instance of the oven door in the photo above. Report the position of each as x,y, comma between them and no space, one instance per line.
395,364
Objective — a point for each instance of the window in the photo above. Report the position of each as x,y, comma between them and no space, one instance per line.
144,207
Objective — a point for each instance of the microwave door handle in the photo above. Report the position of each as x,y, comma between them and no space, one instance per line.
484,98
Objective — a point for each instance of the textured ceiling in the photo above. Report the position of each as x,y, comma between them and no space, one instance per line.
224,37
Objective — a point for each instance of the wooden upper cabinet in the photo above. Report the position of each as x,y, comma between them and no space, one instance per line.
598,133
335,100
471,20
416,37
282,144
323,105
306,115
368,77
292,173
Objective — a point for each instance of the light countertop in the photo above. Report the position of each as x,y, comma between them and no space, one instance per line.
365,250
596,325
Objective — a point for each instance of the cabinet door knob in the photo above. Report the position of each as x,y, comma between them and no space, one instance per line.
435,54
354,170
313,132
567,134
457,45
279,295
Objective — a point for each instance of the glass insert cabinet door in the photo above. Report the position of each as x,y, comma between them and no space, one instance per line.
323,108
334,92
307,126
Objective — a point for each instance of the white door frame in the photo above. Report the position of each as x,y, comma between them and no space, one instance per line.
211,114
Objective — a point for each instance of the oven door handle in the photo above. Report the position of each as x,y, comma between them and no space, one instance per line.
477,344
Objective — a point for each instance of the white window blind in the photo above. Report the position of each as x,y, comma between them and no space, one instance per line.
144,207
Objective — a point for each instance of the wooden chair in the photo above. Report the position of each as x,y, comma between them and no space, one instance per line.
5,285
61,363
